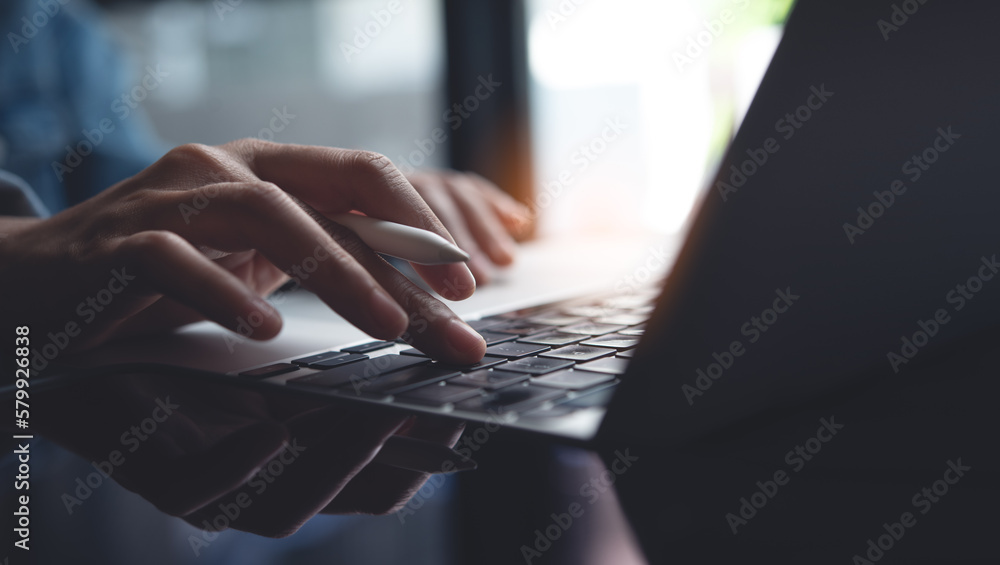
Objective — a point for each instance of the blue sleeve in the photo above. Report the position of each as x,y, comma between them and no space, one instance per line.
63,125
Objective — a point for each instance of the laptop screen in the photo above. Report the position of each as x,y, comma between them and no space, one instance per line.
849,233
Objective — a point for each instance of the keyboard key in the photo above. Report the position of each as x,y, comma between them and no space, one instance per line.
511,399
332,362
630,301
623,319
522,329
626,354
637,331
269,371
490,380
439,394
484,363
592,329
480,325
368,347
537,365
515,315
400,381
414,352
579,353
610,365
493,338
308,361
554,339
556,319
589,311
512,350
363,370
613,341
572,380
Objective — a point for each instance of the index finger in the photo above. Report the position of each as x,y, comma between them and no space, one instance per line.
335,180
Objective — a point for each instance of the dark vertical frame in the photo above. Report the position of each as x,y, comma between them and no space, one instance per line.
489,38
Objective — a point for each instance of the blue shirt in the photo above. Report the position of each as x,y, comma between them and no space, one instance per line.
60,78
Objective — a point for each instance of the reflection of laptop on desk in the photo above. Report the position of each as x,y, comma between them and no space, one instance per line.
812,262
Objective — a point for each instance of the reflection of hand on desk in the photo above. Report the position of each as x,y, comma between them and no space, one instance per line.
222,456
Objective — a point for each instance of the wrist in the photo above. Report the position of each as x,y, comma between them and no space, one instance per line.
13,225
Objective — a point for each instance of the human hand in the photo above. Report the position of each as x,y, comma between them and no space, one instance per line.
484,220
205,232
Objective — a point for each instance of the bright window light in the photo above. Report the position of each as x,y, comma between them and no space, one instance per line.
674,76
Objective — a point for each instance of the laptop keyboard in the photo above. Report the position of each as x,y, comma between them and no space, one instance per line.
564,354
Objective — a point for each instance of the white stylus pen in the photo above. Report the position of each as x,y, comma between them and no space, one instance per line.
405,242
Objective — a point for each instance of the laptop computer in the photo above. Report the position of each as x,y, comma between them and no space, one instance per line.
848,235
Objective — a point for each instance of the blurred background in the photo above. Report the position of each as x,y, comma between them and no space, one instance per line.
677,76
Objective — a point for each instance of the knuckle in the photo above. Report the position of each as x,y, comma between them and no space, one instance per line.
139,250
372,162
252,142
150,242
249,146
192,154
259,195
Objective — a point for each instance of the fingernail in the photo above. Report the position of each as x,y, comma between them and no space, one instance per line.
463,340
387,316
264,307
460,283
270,321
